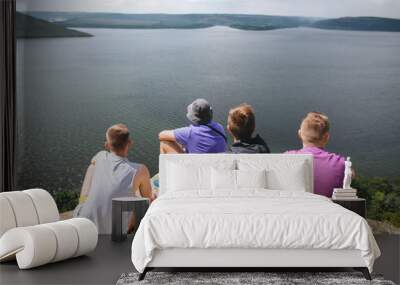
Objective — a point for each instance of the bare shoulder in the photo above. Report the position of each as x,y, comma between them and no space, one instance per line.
143,171
100,155
167,135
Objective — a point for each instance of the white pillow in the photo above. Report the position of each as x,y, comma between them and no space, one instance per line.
227,179
288,176
183,177
282,174
223,179
251,178
186,175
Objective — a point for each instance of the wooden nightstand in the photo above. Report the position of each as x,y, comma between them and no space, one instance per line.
358,205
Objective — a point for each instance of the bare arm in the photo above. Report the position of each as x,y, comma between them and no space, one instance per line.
87,182
167,135
141,182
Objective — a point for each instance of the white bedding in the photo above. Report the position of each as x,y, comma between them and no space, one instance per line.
250,219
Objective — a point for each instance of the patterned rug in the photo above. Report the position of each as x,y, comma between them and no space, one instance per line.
273,278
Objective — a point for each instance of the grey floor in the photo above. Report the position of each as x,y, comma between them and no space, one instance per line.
110,260
103,266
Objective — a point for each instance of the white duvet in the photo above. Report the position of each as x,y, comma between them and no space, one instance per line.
250,219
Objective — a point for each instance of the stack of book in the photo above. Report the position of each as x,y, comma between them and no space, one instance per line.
344,194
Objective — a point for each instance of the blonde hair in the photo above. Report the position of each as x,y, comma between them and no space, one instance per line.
241,121
117,136
314,127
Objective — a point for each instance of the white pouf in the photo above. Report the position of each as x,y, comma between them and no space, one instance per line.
31,233
23,208
87,233
33,246
7,220
67,240
45,205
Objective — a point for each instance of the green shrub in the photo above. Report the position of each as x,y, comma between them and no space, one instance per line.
383,198
66,200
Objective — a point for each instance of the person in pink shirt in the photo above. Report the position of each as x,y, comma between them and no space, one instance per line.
328,167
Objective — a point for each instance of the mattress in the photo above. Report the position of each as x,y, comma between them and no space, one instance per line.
250,219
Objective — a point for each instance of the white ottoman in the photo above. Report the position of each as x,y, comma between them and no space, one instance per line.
31,232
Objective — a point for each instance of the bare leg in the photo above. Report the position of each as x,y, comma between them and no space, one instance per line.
132,223
170,147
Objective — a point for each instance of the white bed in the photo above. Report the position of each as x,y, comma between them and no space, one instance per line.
203,219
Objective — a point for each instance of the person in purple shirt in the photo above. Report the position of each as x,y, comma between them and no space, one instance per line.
202,136
328,167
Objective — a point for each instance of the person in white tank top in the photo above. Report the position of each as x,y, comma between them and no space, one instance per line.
112,175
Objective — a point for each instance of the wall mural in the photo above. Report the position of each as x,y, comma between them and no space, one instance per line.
83,67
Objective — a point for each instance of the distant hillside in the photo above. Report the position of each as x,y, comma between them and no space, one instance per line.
359,24
172,21
30,27
193,21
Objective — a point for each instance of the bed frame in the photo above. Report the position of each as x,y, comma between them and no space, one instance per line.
242,259
246,258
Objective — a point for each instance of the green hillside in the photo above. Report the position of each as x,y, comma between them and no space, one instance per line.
57,24
192,21
30,27
359,24
172,21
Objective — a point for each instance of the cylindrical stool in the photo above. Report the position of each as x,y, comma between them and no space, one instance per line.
123,204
